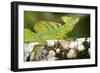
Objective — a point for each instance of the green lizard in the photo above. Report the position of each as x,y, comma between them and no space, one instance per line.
47,30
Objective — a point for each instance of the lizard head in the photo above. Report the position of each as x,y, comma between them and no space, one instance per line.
69,23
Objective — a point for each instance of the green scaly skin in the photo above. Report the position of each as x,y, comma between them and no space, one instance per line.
47,30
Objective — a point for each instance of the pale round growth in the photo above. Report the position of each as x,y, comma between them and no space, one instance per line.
81,47
50,42
88,39
71,54
52,53
64,44
57,50
73,45
80,40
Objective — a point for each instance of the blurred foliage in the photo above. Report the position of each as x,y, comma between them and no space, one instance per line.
81,29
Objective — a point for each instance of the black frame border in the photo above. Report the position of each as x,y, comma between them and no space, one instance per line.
14,35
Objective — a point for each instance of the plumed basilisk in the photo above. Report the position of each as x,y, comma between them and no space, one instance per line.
47,30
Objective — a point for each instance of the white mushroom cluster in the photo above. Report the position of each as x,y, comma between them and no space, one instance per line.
72,54
78,48
28,47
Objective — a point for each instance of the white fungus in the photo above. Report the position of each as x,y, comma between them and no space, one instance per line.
52,53
80,40
71,54
50,42
64,44
88,39
57,50
29,46
73,44
26,55
32,56
80,47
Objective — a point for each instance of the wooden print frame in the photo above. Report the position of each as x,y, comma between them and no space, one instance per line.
17,26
